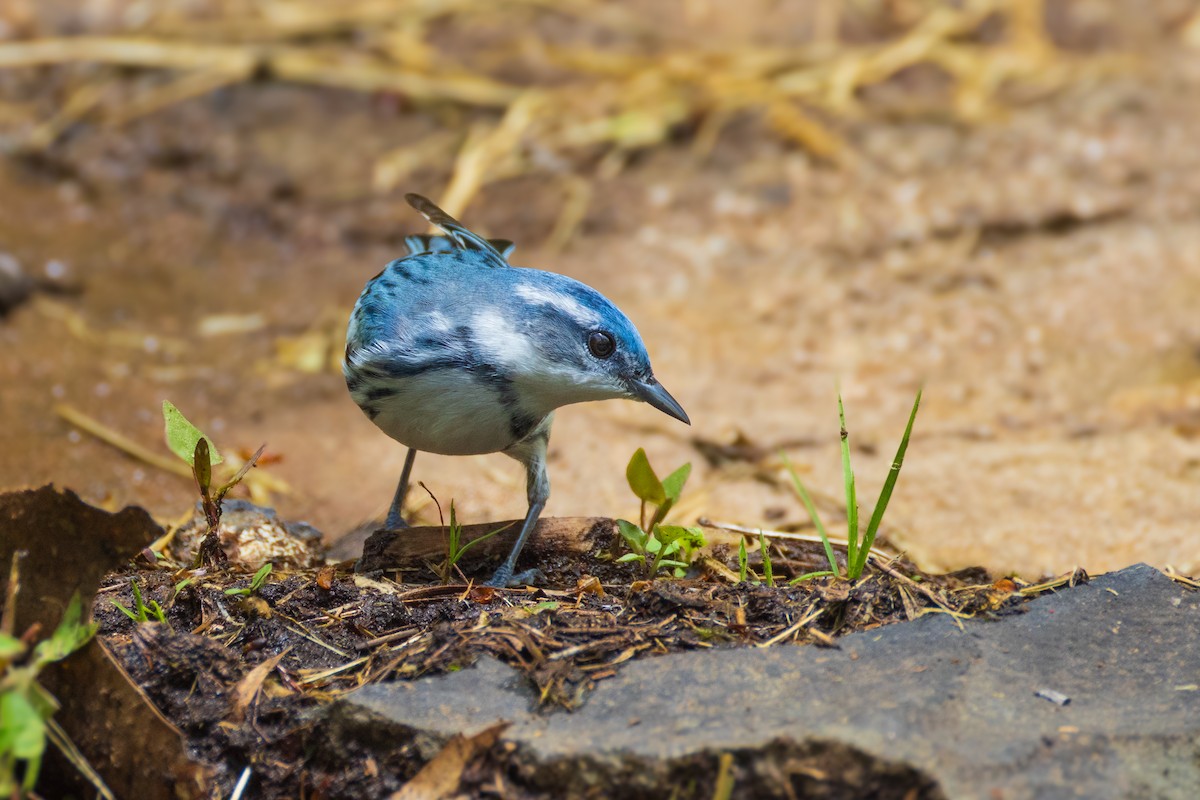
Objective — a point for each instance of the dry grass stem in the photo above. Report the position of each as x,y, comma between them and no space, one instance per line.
630,95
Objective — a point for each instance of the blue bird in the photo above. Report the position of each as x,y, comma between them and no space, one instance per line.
451,350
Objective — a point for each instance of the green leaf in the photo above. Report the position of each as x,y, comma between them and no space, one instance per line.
42,701
631,557
653,545
634,536
10,646
743,559
69,636
642,480
673,483
854,570
23,731
260,577
669,533
688,535
182,435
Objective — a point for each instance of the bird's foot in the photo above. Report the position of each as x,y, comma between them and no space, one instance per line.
504,577
394,523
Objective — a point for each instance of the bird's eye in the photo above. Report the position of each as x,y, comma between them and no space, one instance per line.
601,343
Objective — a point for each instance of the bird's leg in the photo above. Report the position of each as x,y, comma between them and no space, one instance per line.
531,451
394,520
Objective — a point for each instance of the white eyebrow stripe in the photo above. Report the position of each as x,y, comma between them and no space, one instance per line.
501,343
563,302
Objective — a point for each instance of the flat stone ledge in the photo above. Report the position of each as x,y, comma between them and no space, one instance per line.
951,711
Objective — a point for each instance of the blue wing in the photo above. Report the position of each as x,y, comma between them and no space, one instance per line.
456,231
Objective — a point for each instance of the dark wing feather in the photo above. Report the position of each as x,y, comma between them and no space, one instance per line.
458,233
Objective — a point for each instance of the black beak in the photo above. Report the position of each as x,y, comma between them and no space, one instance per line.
652,392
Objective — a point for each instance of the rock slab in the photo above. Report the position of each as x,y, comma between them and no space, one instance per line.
1093,692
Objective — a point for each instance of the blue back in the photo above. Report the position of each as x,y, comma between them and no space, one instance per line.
422,306
455,304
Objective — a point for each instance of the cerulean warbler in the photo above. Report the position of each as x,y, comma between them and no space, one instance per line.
451,350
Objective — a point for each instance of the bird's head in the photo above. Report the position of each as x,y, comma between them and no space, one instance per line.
567,343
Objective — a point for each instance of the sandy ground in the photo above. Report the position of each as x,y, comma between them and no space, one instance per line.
1040,276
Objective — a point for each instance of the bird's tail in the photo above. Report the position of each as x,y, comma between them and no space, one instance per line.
420,243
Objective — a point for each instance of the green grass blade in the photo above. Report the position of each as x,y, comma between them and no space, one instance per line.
812,512
809,576
138,604
124,610
768,573
483,538
885,494
851,492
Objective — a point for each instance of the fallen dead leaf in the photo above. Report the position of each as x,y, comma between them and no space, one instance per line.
589,584
482,594
442,775
1005,585
247,688
325,577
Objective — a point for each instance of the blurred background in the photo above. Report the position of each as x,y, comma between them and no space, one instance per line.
998,199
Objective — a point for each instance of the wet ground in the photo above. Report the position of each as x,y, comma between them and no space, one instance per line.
1039,274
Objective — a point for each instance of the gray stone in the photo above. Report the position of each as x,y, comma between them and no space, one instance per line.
434,709
929,706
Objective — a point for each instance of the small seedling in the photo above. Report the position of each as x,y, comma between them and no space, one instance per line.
26,708
190,444
744,571
454,546
655,545
856,551
142,611
765,550
663,495
179,587
256,582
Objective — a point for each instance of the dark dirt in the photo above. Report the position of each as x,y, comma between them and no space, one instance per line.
334,631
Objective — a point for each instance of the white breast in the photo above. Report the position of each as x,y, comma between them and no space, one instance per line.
447,412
